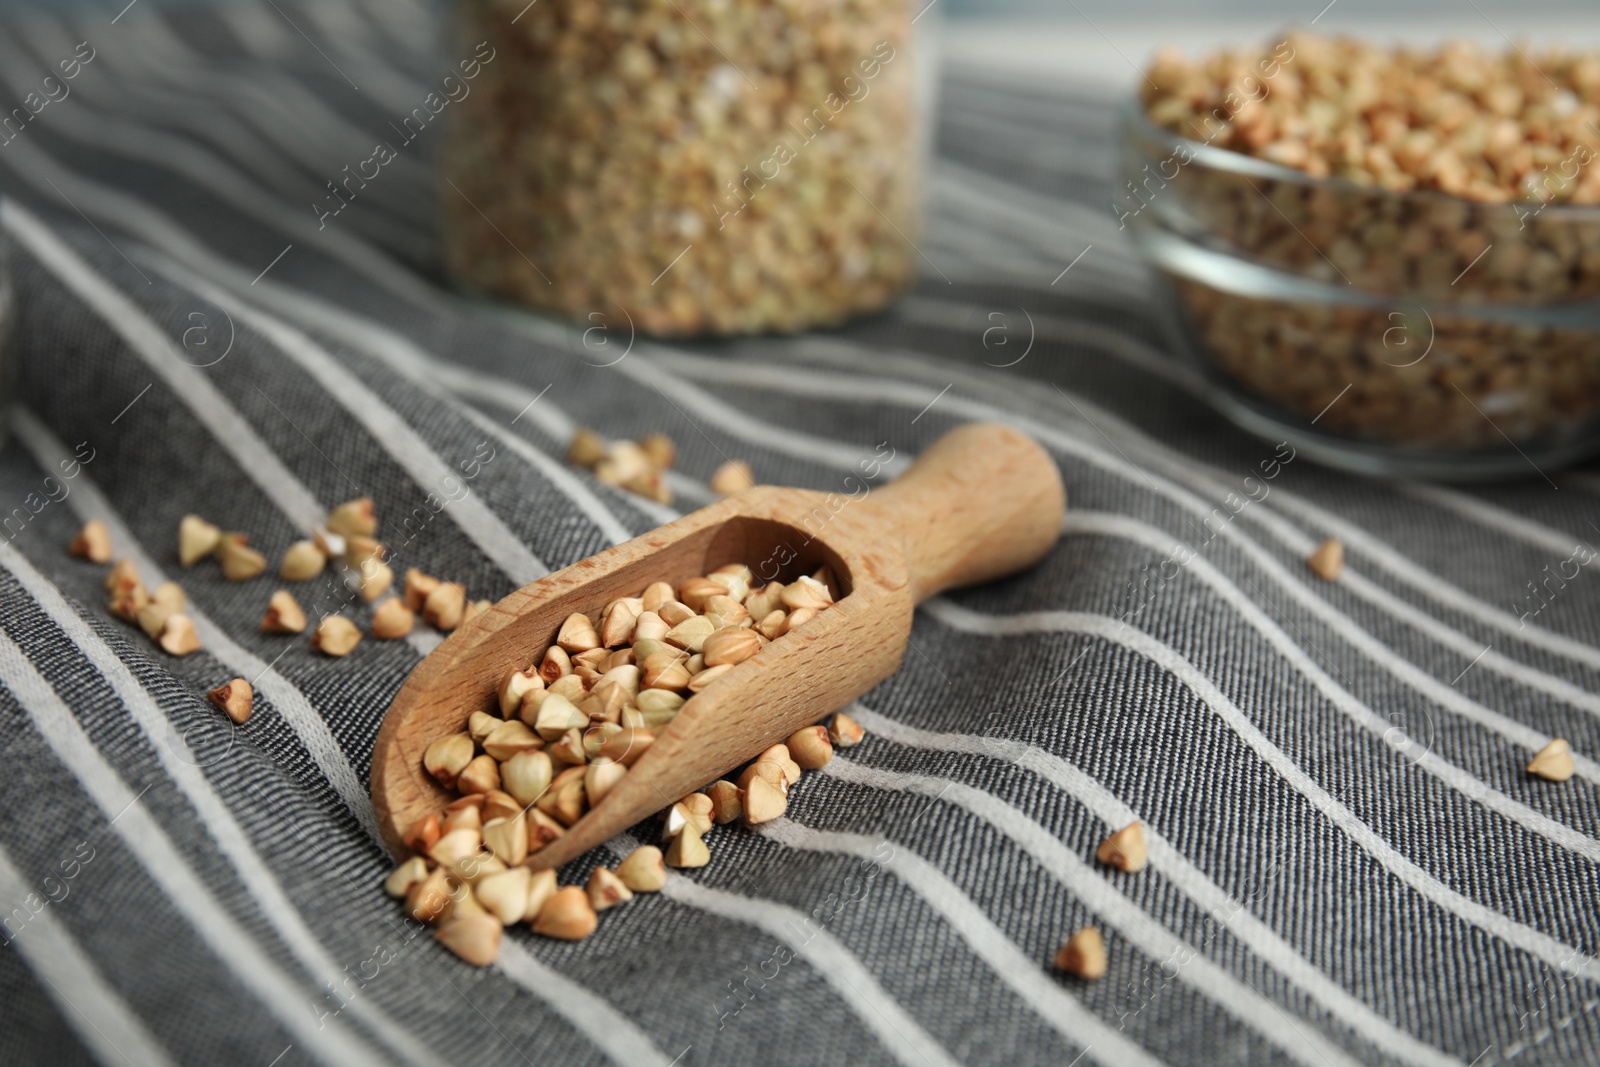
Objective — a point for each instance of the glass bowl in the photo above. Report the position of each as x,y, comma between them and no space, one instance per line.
1403,333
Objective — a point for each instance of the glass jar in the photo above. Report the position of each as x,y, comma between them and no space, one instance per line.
700,166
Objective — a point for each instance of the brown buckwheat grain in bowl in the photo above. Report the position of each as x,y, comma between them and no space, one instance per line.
1382,168
1369,373
1390,256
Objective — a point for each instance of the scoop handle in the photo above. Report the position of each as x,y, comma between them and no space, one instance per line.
981,502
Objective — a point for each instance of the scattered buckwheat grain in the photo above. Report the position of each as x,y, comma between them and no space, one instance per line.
236,699
1125,850
1553,762
1083,954
92,543
1327,562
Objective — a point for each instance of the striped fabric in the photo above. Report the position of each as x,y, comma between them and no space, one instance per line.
1348,863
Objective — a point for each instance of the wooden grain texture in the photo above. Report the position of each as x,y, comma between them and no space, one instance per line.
982,502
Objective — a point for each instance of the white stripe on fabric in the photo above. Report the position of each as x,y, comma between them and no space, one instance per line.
1418,679
1023,145
724,417
227,426
1517,934
162,43
973,244
337,26
974,177
1545,538
1025,207
590,1014
971,256
1141,533
422,367
901,1035
408,23
261,30
1010,228
1084,105
548,419
1121,282
239,138
1074,142
1359,544
240,191
952,315
572,1001
1025,976
1243,925
959,259
280,105
561,476
617,1036
1359,541
476,520
1207,894
200,167
171,752
250,453
391,348
1139,929
97,1014
307,124
842,386
88,502
1348,629
695,492
251,965
556,471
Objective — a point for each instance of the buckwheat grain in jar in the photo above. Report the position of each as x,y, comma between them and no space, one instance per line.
695,166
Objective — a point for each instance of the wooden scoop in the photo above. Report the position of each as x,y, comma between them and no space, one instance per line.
982,502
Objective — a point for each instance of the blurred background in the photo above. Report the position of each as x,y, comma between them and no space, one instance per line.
1022,145
1041,8
1449,16
1095,40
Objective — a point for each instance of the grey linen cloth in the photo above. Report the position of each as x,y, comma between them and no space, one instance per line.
1348,862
